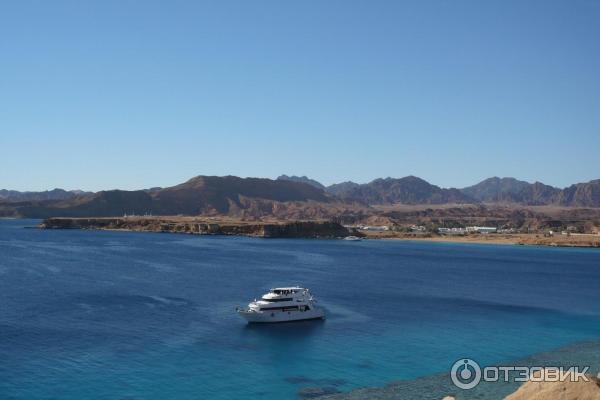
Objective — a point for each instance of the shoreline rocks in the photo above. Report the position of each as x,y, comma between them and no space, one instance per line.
200,226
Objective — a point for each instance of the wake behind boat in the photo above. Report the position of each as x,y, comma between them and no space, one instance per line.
283,304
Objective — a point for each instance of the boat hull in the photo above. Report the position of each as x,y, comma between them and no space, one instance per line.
265,317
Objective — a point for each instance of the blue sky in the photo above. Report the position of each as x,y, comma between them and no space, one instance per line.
133,94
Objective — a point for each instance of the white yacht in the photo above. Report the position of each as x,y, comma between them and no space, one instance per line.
353,238
283,304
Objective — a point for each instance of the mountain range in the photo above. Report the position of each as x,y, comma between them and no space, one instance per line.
287,197
54,194
413,190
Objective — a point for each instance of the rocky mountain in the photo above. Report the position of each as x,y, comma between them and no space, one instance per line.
213,194
55,194
206,195
338,189
407,190
302,179
580,195
511,190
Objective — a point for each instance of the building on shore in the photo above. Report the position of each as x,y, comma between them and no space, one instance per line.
481,229
452,231
376,228
418,228
467,230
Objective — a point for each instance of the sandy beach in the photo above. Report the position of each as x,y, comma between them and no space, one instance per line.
582,240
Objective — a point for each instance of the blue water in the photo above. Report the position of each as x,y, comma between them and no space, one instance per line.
123,315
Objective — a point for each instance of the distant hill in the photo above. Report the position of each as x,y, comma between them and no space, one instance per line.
213,194
511,190
580,195
407,190
339,189
302,179
102,204
228,195
55,194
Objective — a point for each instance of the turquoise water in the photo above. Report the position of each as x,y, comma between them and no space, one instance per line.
123,315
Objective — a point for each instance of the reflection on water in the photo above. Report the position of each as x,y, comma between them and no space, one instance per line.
299,330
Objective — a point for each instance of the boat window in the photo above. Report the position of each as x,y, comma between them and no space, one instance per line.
276,300
284,291
290,308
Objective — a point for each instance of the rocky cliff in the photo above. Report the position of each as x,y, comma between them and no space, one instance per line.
292,229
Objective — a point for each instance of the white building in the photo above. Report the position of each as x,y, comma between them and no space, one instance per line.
481,229
375,228
452,231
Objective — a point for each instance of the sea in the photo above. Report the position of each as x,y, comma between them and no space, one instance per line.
131,315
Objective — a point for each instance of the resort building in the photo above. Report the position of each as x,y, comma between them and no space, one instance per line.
481,229
452,231
379,228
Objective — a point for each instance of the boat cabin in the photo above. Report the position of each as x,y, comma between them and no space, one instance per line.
286,290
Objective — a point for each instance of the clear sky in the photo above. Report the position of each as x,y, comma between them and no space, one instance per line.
133,94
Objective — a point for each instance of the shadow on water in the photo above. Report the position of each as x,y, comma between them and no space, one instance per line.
281,339
286,330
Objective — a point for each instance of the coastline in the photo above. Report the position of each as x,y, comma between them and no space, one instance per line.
274,228
523,239
203,226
